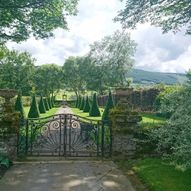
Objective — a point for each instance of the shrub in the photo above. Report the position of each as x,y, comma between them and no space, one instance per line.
49,102
52,101
46,104
109,105
86,105
167,101
33,112
82,104
41,105
173,139
79,101
94,110
19,106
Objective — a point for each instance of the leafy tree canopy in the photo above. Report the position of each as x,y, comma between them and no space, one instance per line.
170,15
73,74
114,56
47,78
22,18
16,70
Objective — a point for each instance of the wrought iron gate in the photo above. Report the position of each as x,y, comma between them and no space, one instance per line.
65,135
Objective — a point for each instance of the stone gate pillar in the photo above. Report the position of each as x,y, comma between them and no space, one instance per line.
124,124
9,125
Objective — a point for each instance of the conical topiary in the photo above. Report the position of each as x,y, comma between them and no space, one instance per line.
46,104
19,106
41,105
49,102
109,105
82,103
52,100
86,105
33,112
94,110
77,99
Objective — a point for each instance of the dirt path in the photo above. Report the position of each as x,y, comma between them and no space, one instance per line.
65,176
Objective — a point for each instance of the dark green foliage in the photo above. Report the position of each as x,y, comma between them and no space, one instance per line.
22,19
5,162
33,112
46,104
79,101
168,15
19,106
49,102
109,105
86,105
82,104
52,101
41,106
94,110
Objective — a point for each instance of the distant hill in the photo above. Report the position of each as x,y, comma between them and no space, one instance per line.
146,77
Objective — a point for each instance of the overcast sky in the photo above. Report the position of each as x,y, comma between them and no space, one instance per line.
155,51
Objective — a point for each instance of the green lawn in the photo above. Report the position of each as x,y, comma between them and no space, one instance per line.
159,175
48,113
86,115
151,121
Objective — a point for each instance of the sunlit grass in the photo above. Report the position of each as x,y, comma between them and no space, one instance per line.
48,113
86,115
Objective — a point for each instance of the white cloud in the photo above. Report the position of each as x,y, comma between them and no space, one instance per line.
161,52
155,51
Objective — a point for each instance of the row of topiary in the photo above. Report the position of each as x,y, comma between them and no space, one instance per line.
45,104
91,107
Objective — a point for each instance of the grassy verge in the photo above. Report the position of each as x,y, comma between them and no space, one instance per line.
86,115
48,113
158,175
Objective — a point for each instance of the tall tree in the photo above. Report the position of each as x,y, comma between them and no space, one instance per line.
113,57
72,74
16,70
22,18
170,15
48,79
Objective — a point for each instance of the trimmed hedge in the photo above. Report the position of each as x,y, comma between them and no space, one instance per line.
79,101
33,112
41,105
19,106
109,105
46,104
94,110
82,103
86,105
49,102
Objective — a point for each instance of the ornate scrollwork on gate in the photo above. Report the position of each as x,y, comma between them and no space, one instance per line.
63,135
